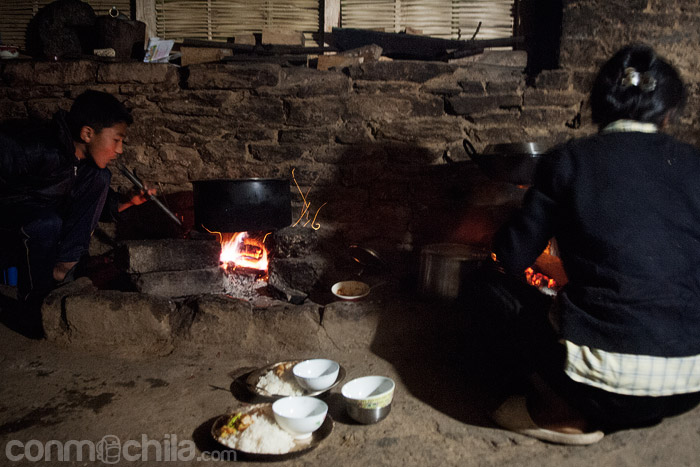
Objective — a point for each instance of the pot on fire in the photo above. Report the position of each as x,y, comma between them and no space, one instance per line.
445,266
242,205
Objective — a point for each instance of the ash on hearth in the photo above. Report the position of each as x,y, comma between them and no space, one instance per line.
244,284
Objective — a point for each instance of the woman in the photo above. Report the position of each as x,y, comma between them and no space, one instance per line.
624,208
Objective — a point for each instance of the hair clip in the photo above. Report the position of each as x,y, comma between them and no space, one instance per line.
632,77
647,82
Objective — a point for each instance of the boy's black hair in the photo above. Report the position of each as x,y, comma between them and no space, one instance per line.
97,110
613,98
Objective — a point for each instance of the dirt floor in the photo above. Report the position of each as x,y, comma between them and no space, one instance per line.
146,409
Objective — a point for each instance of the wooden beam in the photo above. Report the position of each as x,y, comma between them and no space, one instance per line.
414,47
262,49
331,15
146,12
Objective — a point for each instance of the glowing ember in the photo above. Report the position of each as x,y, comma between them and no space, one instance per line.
539,280
243,251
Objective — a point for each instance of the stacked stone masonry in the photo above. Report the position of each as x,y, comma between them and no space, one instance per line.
372,142
376,147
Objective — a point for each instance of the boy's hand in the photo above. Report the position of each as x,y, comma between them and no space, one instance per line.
136,197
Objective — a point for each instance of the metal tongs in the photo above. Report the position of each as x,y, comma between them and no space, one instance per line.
139,184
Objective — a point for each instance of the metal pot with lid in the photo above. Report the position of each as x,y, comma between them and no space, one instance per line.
509,162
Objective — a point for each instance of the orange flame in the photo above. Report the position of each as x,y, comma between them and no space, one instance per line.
244,251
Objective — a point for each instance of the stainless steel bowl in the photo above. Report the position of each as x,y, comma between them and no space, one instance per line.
368,416
368,399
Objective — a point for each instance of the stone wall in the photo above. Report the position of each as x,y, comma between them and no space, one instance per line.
376,147
594,29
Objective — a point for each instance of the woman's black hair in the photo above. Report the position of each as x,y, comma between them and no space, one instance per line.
97,110
636,84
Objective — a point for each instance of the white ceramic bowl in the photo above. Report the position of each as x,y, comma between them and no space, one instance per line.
300,416
368,399
316,374
350,290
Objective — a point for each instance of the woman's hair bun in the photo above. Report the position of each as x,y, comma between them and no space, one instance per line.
636,84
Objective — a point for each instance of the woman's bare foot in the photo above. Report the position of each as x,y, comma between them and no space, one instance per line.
61,269
550,411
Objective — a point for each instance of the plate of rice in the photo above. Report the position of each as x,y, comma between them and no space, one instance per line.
277,380
253,432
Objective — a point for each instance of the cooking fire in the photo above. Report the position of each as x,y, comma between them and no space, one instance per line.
244,260
547,273
538,279
241,250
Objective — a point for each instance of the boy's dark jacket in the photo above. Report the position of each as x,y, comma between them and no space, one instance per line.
38,168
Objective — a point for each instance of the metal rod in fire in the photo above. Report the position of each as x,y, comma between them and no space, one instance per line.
139,184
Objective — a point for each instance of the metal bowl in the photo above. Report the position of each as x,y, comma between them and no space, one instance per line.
510,162
368,399
368,416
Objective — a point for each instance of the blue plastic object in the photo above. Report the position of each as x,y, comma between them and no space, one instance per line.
9,276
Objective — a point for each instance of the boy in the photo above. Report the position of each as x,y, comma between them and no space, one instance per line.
54,184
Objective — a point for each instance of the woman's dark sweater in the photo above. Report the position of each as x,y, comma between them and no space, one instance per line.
625,210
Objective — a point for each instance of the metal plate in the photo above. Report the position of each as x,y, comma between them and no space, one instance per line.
252,380
301,447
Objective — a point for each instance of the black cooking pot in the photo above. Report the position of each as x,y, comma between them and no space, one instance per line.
242,205
511,162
